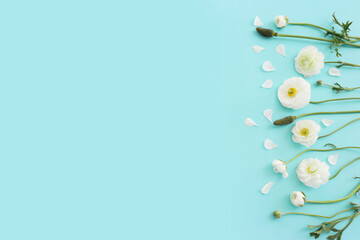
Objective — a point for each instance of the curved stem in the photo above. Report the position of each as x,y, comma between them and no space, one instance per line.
315,215
319,150
325,29
337,200
314,38
356,119
343,63
352,161
318,113
335,99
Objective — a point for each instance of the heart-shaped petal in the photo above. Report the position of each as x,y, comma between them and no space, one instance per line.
268,144
268,67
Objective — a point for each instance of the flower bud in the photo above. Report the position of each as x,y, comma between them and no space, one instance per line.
285,120
265,32
319,82
281,21
298,199
277,214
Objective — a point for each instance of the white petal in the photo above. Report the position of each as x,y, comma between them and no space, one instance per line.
267,84
268,144
265,189
268,67
257,48
334,72
332,159
281,49
327,122
250,123
268,114
285,174
257,22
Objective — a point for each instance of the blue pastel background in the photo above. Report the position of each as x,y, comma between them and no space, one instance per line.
124,119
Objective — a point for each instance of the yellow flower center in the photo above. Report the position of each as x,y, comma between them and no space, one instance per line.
312,169
292,92
304,132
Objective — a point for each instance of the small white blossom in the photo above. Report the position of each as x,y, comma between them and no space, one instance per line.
298,199
305,132
294,93
279,166
281,21
312,172
309,61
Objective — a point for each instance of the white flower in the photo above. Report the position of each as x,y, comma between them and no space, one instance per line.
309,61
280,167
305,132
312,172
298,199
281,21
294,93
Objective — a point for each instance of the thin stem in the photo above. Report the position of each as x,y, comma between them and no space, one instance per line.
352,161
343,63
337,87
356,119
318,113
335,99
337,200
315,215
325,29
314,38
319,150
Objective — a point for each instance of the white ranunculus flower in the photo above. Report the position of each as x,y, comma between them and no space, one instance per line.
306,132
312,172
280,167
294,93
309,61
298,199
281,21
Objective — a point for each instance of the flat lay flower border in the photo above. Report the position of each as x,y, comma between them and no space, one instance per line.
295,93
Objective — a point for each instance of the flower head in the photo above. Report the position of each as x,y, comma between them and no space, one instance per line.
305,132
281,21
298,199
312,172
309,61
279,166
294,93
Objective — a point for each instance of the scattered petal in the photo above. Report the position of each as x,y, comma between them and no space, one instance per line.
250,123
268,144
257,48
257,22
332,159
281,49
334,72
285,174
268,114
265,189
327,122
268,67
267,84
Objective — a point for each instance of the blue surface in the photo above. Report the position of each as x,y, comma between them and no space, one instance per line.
124,120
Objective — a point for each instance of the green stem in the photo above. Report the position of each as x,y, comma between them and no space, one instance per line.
315,215
314,38
335,99
352,161
325,29
337,87
343,64
356,119
319,113
337,200
319,150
